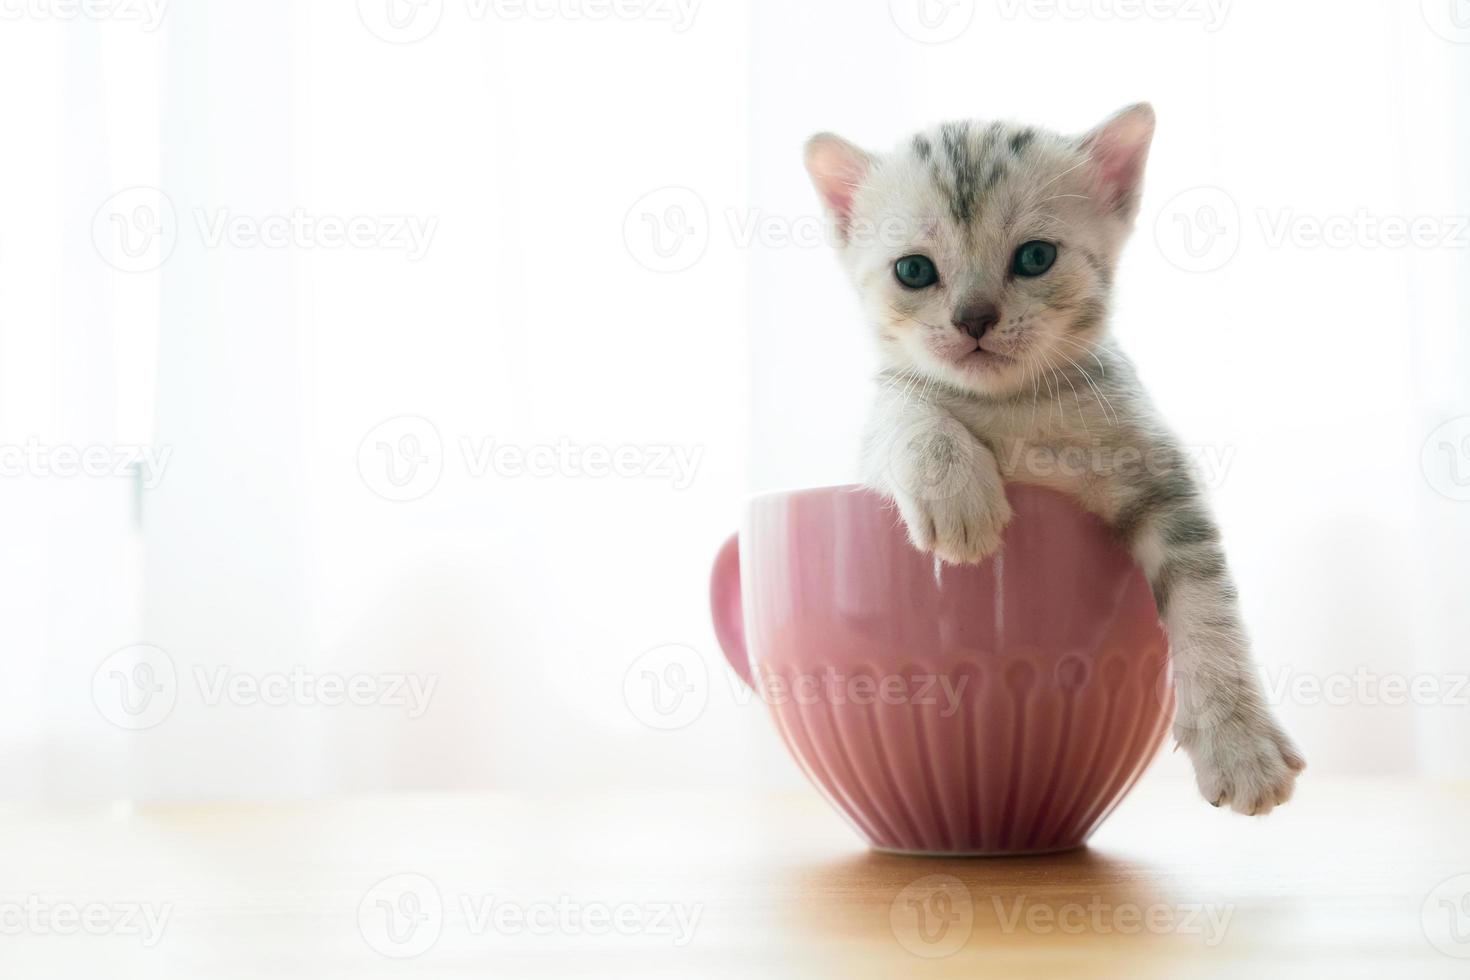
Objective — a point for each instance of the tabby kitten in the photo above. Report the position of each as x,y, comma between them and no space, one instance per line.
983,256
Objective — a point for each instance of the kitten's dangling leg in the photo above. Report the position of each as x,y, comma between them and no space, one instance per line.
1242,757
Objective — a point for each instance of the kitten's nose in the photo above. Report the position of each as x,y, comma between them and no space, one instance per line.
976,318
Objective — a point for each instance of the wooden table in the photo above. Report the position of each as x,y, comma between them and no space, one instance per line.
1340,883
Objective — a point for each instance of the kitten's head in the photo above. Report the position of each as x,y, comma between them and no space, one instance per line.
984,253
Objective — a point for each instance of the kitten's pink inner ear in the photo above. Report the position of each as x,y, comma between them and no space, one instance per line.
1119,148
837,169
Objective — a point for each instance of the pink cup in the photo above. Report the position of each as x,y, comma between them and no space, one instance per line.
999,708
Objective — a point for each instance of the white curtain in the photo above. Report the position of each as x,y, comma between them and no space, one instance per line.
574,237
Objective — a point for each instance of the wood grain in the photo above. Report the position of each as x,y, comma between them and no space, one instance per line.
1339,883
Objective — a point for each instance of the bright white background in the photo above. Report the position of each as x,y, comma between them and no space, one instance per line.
606,267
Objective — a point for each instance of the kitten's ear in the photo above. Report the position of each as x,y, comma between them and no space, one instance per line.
1119,148
838,169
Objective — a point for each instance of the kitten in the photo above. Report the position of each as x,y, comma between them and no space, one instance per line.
983,255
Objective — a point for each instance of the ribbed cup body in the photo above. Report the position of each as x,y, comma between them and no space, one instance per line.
1004,707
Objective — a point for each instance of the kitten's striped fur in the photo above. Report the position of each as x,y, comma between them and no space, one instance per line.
952,423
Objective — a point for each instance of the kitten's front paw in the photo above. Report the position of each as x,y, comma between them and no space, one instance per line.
1247,764
961,529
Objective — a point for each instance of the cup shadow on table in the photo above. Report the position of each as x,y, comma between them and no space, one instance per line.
919,904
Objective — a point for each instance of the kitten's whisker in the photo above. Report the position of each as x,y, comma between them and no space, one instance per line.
1096,388
1096,394
1091,351
1062,376
1061,175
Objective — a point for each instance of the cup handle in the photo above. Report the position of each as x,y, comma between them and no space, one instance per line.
726,608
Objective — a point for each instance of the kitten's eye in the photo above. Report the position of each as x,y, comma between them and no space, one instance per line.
1034,258
916,271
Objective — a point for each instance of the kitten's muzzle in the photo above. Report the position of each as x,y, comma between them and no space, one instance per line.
977,318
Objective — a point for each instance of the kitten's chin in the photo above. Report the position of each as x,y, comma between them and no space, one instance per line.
987,372
982,372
